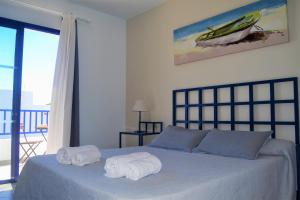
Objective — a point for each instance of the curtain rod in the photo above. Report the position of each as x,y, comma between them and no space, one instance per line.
54,12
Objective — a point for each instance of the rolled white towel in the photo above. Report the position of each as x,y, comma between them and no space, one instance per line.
116,166
140,168
64,155
86,157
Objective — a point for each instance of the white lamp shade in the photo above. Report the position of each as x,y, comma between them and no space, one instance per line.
139,106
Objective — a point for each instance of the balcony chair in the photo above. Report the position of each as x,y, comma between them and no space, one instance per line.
27,145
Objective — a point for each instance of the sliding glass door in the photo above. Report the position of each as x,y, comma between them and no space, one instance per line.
10,73
39,58
17,123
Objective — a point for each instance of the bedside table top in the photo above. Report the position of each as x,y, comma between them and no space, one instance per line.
139,133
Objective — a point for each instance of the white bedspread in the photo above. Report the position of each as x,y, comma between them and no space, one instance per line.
186,176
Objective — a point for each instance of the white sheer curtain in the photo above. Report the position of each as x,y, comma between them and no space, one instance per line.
61,103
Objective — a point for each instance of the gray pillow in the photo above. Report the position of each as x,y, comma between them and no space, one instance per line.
178,138
240,144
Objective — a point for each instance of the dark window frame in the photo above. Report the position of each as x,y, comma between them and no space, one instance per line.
17,86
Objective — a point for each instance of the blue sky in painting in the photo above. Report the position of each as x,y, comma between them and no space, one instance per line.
226,17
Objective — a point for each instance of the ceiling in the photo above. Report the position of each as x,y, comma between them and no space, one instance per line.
121,8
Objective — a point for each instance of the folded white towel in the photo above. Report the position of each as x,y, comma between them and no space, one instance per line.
116,166
86,157
133,166
140,168
65,155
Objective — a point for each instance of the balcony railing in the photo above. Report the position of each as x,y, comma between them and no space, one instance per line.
30,121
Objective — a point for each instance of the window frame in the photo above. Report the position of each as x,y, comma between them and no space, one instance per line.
20,27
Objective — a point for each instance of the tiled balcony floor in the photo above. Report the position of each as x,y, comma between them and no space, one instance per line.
5,171
5,164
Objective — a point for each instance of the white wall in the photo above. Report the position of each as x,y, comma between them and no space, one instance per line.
102,63
152,75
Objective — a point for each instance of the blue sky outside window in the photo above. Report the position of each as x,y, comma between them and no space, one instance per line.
39,57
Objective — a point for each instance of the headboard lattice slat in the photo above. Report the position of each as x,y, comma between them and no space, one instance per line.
233,122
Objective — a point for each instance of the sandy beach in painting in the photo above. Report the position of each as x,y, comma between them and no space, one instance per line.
273,22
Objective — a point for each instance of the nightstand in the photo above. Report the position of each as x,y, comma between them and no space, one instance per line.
146,126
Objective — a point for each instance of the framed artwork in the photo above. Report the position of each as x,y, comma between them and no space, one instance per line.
256,25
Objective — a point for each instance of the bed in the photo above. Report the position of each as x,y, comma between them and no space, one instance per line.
184,175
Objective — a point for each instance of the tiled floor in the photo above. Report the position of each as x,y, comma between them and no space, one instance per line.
5,192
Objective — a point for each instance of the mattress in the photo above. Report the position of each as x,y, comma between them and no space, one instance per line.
183,176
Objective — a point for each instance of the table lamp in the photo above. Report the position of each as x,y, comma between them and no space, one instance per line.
140,107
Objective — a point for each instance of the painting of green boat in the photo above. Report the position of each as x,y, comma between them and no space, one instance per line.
256,25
